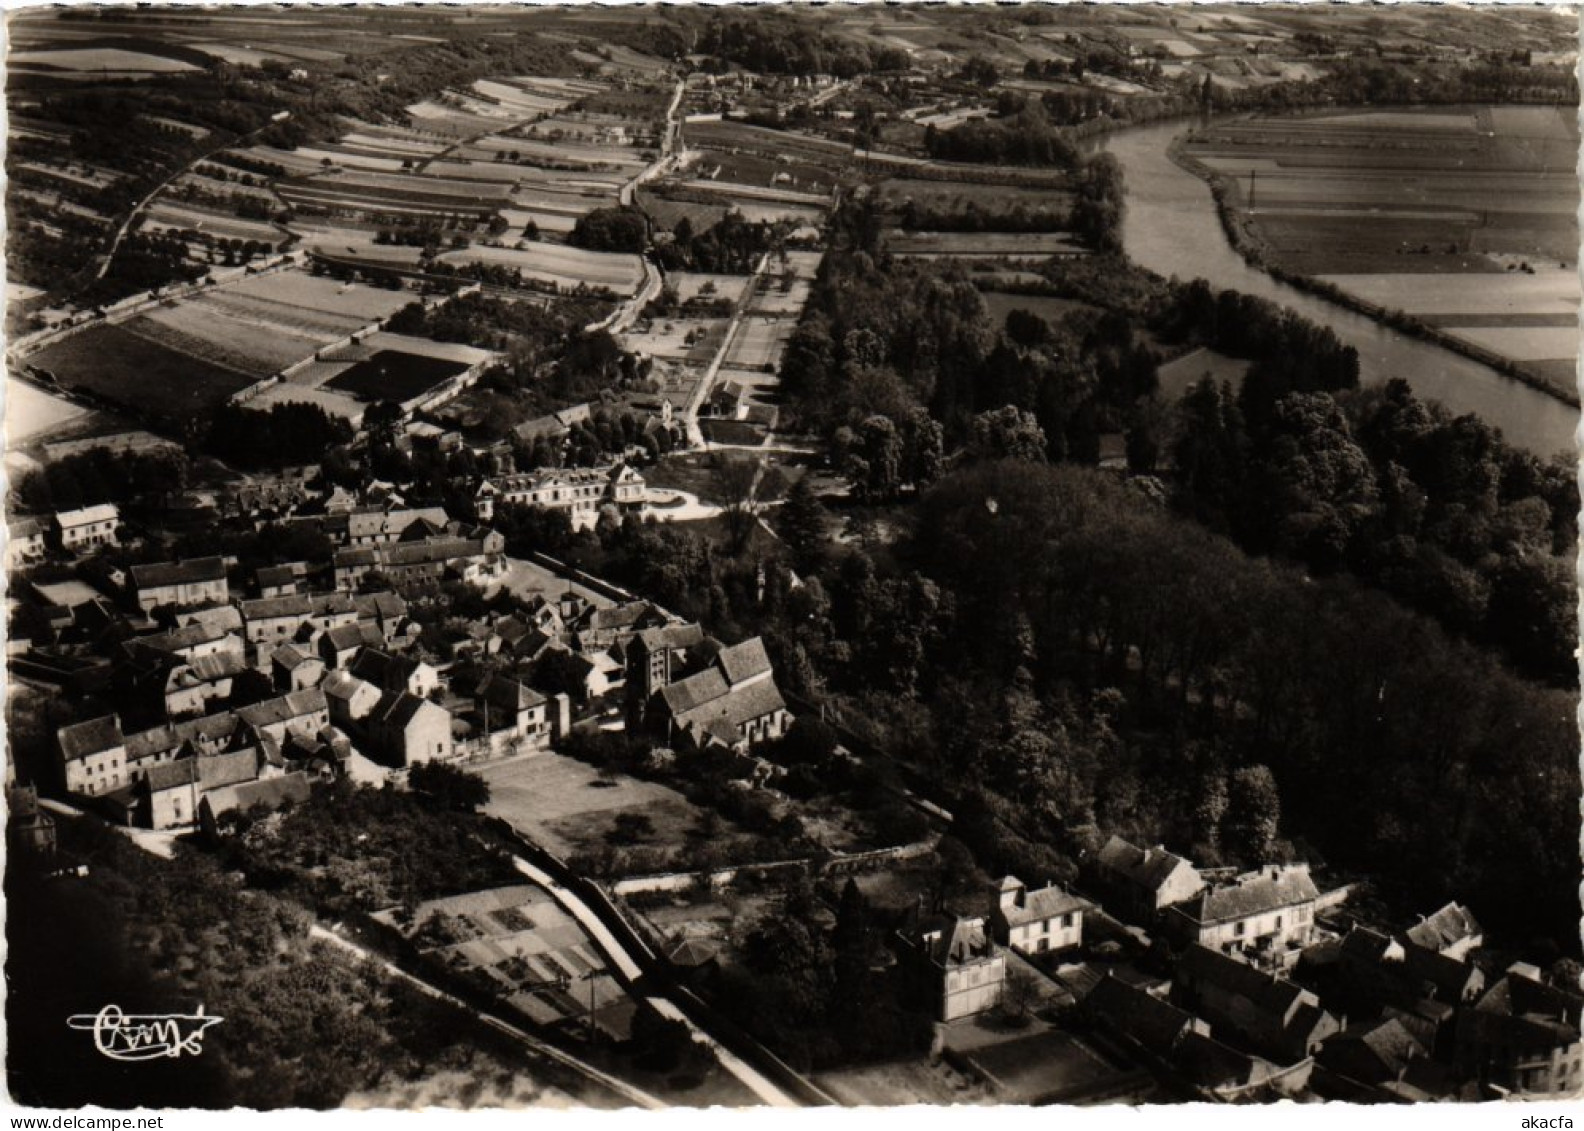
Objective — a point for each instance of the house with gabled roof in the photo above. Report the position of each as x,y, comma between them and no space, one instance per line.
954,965
1138,884
394,673
172,790
299,712
268,793
1269,912
274,620
87,528
24,541
1523,1036
295,667
403,730
1037,922
733,702
93,756
510,716
1452,931
193,581
1270,1015
340,645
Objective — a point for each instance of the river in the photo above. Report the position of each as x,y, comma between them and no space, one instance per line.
1171,227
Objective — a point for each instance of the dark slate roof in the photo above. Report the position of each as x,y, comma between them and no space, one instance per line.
1210,1064
382,669
346,636
1251,895
209,771
271,576
95,736
399,708
383,605
1156,1025
689,635
620,616
1037,906
284,708
1373,1054
688,694
743,661
159,574
736,707
270,792
1450,977
168,736
957,942
1264,991
1147,868
1447,927
509,694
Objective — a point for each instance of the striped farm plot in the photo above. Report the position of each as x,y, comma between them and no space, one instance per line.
219,340
564,266
520,102
391,140
759,343
382,341
164,215
757,194
1549,291
313,325
983,245
96,60
314,293
351,158
354,243
556,223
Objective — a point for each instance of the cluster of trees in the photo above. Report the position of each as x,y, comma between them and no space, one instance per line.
813,992
284,435
786,45
621,228
1027,137
972,216
104,475
1434,509
731,246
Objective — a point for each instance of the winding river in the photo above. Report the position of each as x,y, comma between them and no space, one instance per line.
1171,227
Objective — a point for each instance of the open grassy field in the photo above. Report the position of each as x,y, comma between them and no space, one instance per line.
993,245
30,412
559,264
568,806
1049,307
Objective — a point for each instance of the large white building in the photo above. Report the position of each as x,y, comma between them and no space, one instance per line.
578,490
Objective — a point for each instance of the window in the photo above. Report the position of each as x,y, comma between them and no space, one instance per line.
1238,930
1067,921
1278,922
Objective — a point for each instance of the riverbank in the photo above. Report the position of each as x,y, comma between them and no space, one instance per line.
1245,238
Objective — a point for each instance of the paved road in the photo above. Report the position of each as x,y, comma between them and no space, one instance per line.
127,223
631,971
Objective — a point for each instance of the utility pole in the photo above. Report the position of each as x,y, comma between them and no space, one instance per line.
1253,173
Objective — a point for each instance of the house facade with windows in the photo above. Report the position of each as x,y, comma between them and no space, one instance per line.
579,491
1269,912
955,965
87,528
1138,884
196,581
1037,922
93,756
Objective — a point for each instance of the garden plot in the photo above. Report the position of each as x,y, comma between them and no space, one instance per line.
690,285
520,943
340,405
693,340
568,806
311,325
355,243
556,223
566,267
351,158
783,295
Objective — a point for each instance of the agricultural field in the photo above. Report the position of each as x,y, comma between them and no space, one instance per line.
1465,217
560,265
30,412
983,245
390,375
759,344
141,376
